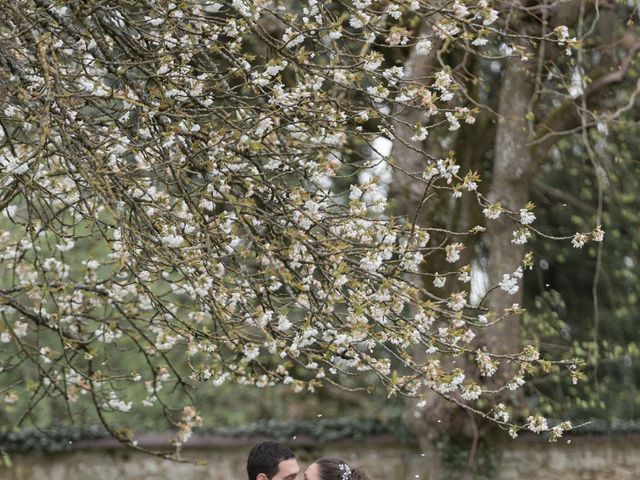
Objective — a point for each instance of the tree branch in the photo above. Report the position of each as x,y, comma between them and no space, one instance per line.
562,195
566,117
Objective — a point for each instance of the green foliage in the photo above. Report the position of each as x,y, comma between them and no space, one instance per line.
456,461
51,440
62,438
323,430
562,315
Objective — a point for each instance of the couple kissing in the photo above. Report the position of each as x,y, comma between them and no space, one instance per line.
274,461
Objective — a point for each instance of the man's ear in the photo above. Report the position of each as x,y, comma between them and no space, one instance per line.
262,476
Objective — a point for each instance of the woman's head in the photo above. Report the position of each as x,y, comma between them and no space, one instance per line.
333,469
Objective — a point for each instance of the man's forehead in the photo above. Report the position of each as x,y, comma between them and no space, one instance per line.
288,467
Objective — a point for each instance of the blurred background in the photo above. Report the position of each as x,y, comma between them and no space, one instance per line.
580,303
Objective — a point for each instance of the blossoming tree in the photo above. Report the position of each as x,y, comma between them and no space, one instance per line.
207,185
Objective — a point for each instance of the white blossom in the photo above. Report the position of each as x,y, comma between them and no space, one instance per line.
423,47
471,392
20,329
537,424
172,240
598,234
493,211
490,16
284,324
526,216
453,252
579,239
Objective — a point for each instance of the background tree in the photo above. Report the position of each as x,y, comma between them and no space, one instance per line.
526,112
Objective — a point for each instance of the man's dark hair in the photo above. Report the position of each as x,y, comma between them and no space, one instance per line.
265,457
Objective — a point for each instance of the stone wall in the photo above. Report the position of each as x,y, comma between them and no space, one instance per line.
582,458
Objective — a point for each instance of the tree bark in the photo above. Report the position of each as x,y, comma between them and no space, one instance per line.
511,177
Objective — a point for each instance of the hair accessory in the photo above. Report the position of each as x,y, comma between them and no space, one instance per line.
346,471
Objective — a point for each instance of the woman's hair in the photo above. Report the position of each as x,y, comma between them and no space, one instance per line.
334,469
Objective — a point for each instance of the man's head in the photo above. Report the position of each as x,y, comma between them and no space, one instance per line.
272,461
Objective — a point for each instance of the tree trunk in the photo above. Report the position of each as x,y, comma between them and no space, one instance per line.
511,178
